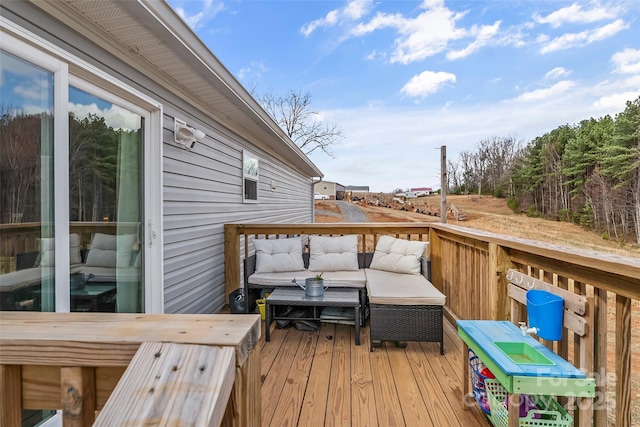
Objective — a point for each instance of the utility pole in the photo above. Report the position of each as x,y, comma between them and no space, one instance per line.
443,184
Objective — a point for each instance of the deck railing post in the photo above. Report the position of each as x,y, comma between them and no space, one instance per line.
600,329
78,395
497,298
623,361
435,253
10,395
231,260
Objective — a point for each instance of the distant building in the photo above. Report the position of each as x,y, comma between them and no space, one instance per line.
420,191
334,190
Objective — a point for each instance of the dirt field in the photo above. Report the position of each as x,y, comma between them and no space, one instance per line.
492,214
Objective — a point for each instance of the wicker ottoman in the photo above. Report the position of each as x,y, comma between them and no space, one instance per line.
404,307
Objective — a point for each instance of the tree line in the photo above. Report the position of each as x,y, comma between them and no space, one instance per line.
587,173
25,152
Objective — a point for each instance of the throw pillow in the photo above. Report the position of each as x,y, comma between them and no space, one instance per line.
333,253
398,255
278,255
108,250
47,251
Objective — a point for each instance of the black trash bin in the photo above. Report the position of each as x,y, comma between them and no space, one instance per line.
237,303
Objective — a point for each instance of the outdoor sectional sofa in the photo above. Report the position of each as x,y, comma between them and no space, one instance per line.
393,282
98,265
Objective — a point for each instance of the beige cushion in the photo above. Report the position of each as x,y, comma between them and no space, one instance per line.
384,287
278,255
398,255
47,250
333,253
110,250
30,276
341,279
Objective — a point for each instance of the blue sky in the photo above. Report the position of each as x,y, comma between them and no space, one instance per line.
402,78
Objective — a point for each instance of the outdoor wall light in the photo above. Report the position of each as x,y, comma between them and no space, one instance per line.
186,135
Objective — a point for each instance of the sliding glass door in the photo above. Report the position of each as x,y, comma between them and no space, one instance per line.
27,190
105,204
72,200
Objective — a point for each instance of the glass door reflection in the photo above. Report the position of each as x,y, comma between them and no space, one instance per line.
105,205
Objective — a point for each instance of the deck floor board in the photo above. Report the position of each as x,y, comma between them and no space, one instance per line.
324,379
314,405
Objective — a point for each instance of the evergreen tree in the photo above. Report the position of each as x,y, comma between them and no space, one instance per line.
621,162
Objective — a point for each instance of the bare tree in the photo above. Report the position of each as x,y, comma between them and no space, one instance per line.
453,176
301,123
20,160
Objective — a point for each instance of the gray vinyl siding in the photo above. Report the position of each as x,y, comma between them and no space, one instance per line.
202,192
202,188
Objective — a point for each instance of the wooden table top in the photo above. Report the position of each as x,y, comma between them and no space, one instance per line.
114,335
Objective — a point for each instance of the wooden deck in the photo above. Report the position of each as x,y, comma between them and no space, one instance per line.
324,379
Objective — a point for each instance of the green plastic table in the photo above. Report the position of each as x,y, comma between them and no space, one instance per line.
559,379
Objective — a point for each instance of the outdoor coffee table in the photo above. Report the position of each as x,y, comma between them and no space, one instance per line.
297,297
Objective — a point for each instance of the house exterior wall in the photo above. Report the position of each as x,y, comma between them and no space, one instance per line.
328,188
203,191
201,188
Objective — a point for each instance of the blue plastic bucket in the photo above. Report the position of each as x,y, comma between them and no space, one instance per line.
545,311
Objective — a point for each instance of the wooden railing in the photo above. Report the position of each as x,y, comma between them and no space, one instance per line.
180,369
23,238
470,267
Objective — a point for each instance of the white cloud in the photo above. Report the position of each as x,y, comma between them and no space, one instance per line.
627,61
33,89
358,8
542,38
115,117
354,10
376,135
427,83
432,31
556,73
429,33
570,40
613,102
255,69
484,34
378,22
576,14
209,10
546,93
33,83
371,56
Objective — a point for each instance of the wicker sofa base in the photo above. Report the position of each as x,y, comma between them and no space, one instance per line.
406,323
